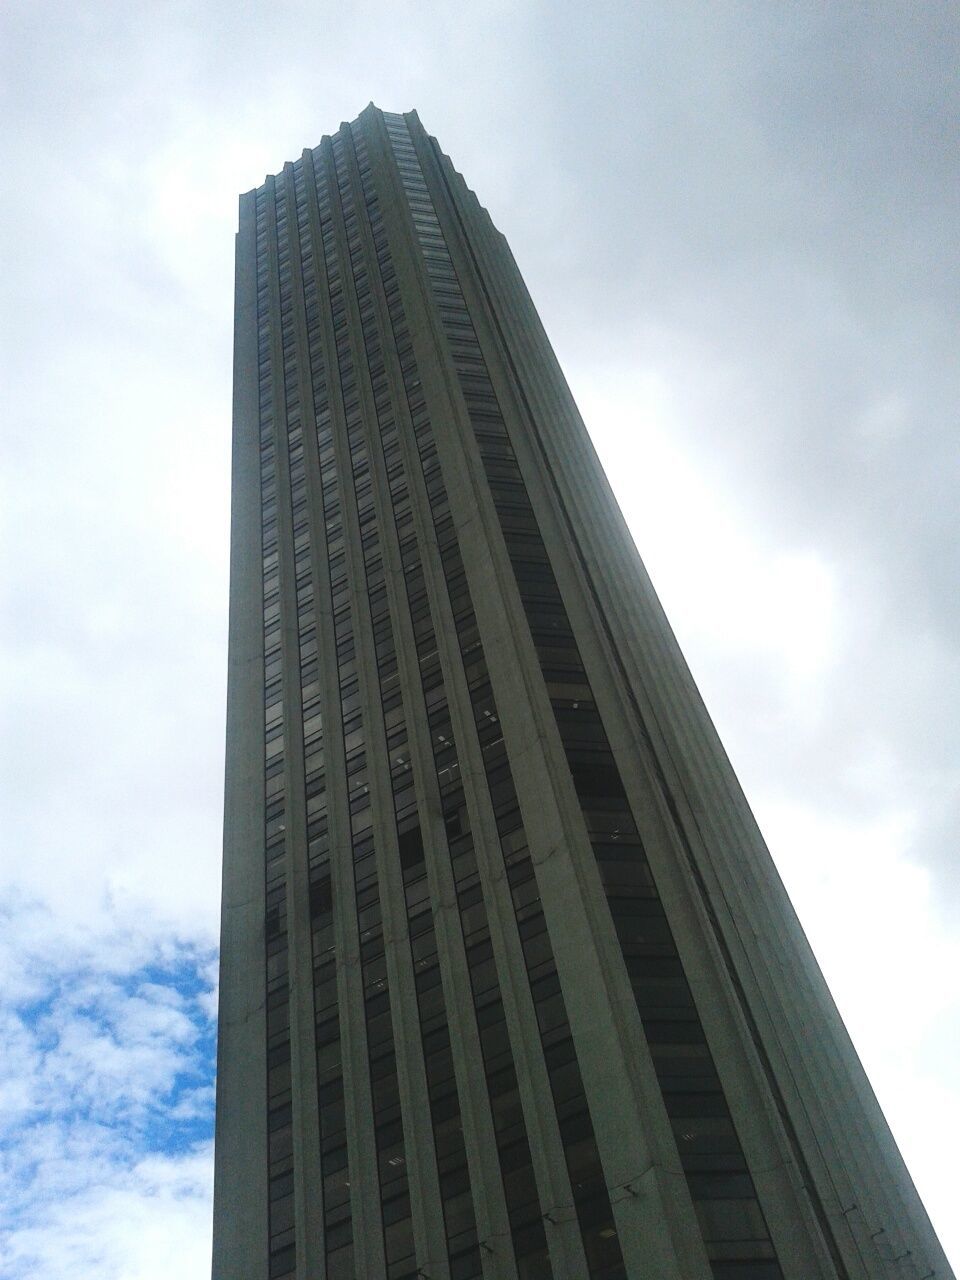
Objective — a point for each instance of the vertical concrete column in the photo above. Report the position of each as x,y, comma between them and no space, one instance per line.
240,1160
307,1186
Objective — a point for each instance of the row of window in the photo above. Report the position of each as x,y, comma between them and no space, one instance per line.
280,1171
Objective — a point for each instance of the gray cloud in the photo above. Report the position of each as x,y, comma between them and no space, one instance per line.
753,206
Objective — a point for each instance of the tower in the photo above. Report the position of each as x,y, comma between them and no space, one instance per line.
510,986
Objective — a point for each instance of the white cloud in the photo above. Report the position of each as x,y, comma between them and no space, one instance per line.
146,1221
105,1104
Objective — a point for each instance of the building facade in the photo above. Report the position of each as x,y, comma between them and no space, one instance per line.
510,986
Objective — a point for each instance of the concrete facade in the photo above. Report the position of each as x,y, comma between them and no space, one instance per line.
510,986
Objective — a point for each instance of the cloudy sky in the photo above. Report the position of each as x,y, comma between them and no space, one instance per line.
738,221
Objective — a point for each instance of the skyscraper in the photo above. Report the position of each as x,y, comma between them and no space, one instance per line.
510,986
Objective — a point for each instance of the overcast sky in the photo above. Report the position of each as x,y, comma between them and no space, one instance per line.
739,224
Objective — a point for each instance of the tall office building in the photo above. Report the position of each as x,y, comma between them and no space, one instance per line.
510,986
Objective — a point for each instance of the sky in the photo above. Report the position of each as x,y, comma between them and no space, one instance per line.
738,222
